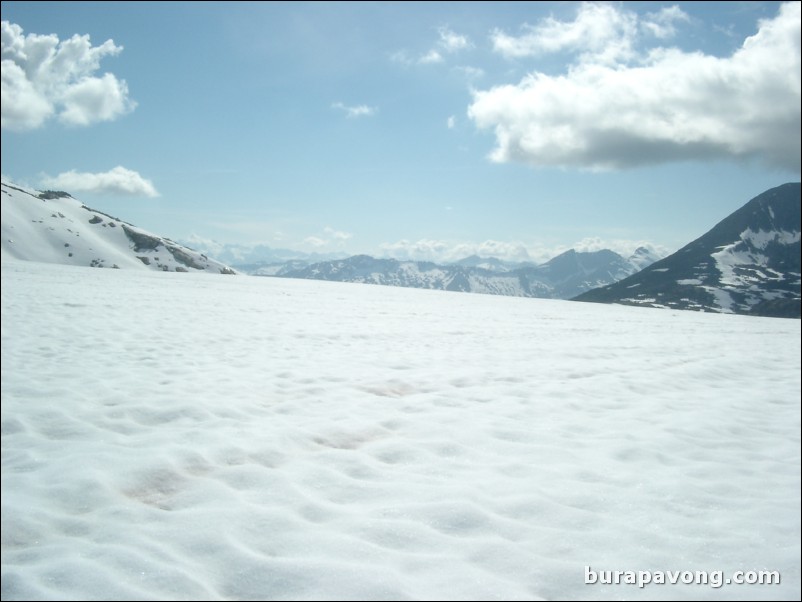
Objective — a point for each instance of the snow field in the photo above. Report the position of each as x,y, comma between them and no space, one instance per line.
184,436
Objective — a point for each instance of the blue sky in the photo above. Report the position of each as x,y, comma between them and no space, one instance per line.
425,130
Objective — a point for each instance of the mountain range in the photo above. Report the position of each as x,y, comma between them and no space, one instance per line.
563,277
53,227
749,263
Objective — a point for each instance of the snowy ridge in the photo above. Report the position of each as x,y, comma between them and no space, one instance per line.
401,444
748,264
763,238
564,276
745,268
642,258
53,227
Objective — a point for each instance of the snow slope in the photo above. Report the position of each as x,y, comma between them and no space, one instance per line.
53,227
186,437
749,263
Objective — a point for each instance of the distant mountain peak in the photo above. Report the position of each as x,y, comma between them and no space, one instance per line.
564,276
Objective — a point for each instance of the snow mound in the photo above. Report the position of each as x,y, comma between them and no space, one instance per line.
189,437
53,227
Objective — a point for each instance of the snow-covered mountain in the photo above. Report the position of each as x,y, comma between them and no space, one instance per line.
492,264
749,263
563,277
643,257
574,272
274,268
53,227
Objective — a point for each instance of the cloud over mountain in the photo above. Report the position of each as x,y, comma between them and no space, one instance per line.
442,251
118,181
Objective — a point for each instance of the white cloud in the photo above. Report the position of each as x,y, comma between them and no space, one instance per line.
444,252
433,56
331,237
601,30
451,122
23,107
510,251
439,251
118,181
661,23
402,58
470,73
449,42
94,99
314,241
623,247
203,244
421,250
337,235
352,112
251,229
452,42
728,30
669,106
43,77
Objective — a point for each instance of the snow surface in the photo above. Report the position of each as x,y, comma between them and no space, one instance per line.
741,267
722,299
761,239
185,436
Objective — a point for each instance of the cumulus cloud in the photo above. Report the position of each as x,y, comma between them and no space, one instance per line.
451,122
616,108
602,30
44,77
118,181
352,112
